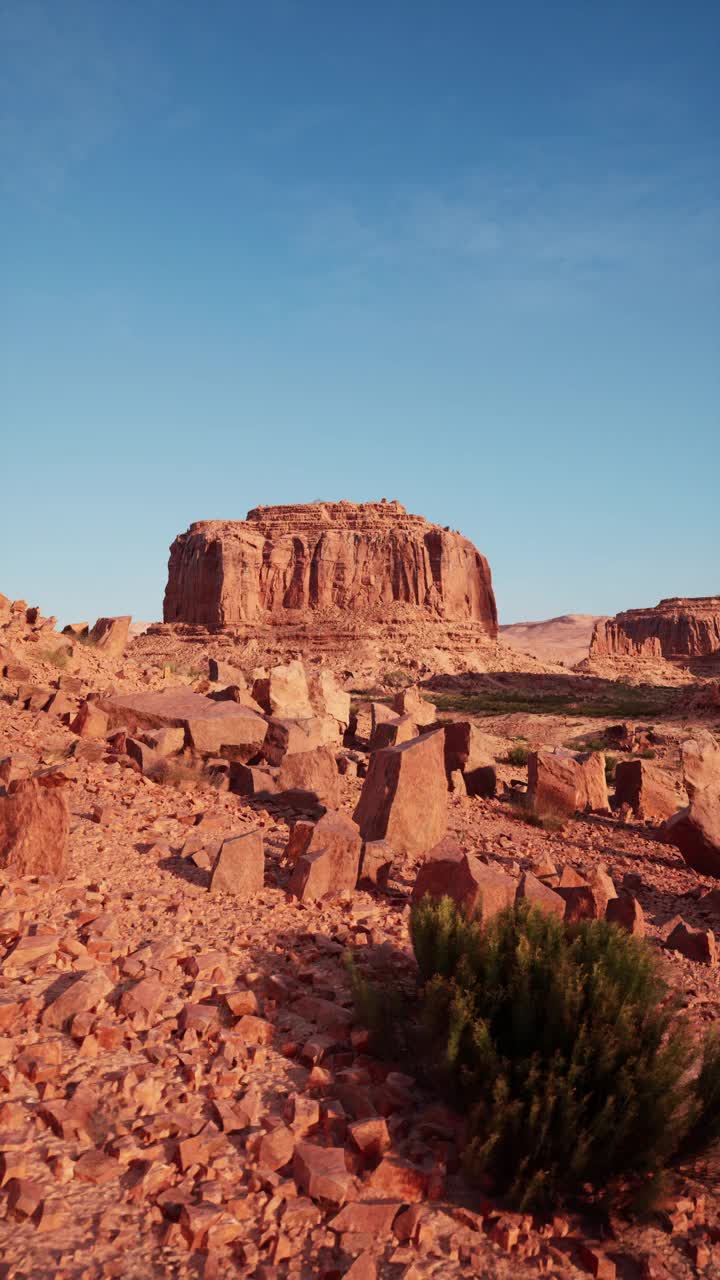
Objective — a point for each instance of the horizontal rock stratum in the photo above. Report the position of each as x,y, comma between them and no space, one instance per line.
676,628
326,558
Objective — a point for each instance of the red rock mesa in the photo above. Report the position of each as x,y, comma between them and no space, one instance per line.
294,563
676,628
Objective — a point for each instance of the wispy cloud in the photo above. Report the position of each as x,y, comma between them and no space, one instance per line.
551,235
67,87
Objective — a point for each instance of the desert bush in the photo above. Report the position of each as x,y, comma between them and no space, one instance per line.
396,679
704,1127
518,755
58,658
561,1045
610,763
569,1056
548,820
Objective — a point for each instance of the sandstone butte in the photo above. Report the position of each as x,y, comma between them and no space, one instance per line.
675,629
293,563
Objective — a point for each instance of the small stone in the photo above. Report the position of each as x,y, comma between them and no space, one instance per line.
696,944
96,1167
276,1148
321,1172
240,866
371,1136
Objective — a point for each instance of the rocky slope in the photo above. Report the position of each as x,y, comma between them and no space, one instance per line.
676,629
288,562
186,1089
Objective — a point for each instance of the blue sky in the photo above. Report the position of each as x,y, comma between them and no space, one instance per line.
465,255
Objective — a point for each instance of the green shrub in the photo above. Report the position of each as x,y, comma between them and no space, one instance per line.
705,1123
518,755
396,679
548,820
610,763
648,754
562,1047
55,657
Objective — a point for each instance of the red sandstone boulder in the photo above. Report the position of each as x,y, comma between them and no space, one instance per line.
90,722
539,895
165,742
390,733
473,886
309,778
408,702
468,753
235,693
376,864
696,944
34,822
404,796
625,911
701,763
284,692
111,635
330,860
380,713
327,698
221,672
147,760
321,1172
585,899
211,728
252,780
695,831
240,865
301,833
287,737
15,767
84,993
560,782
649,790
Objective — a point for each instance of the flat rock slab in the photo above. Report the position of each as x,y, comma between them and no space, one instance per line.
211,728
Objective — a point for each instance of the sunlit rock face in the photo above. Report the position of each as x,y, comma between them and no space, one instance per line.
326,559
675,628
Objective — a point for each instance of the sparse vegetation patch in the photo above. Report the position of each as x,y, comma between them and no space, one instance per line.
561,1045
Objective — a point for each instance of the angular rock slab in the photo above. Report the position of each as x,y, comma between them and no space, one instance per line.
701,763
648,790
211,728
310,778
330,859
695,831
240,866
404,796
473,886
563,783
111,635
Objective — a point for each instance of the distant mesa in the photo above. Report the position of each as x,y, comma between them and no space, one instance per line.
675,629
324,559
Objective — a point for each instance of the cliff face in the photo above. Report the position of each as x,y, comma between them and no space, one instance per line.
294,562
675,628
